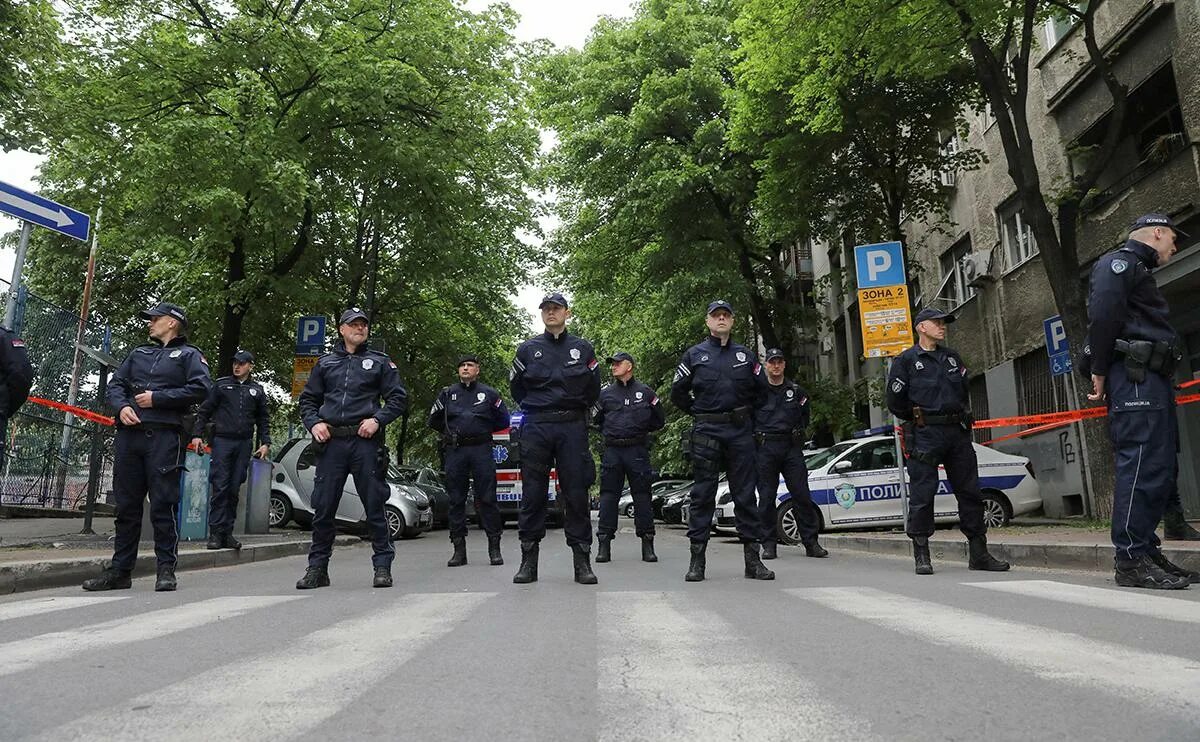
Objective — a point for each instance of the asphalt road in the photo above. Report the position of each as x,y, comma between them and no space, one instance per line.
854,647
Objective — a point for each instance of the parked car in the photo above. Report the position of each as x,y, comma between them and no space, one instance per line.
429,481
407,508
657,490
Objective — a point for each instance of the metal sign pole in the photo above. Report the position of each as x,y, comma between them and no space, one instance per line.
10,308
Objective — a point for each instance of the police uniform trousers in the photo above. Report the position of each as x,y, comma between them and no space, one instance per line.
365,460
952,447
227,472
730,446
148,462
1144,434
783,457
562,445
467,466
618,464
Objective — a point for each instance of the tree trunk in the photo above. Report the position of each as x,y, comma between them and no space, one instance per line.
235,313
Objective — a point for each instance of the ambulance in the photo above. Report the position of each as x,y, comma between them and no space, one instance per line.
507,458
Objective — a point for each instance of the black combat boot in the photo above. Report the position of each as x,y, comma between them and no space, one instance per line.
815,550
695,571
229,542
1176,528
314,577
583,565
755,569
110,579
1143,572
494,554
214,541
603,549
980,559
383,577
166,581
459,558
529,559
768,549
648,554
921,555
1174,569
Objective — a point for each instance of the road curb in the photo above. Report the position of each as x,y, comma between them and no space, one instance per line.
17,577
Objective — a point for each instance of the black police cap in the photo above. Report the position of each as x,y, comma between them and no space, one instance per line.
1156,220
554,298
243,356
468,358
931,313
165,309
720,304
621,356
773,353
352,314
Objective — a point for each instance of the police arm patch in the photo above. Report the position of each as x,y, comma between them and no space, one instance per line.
1118,266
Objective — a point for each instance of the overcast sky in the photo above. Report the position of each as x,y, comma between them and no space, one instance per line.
563,22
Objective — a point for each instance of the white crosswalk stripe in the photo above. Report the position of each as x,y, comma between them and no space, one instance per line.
1140,604
38,606
669,669
17,656
1158,680
285,694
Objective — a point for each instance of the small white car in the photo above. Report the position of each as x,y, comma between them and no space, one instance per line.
855,484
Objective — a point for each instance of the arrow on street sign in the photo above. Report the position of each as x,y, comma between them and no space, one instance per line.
42,211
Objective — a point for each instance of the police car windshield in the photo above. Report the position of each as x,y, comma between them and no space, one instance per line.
824,457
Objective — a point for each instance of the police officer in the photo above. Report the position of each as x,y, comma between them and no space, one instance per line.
927,387
555,379
626,413
1134,351
1175,525
779,430
720,383
152,390
17,380
235,405
340,406
466,414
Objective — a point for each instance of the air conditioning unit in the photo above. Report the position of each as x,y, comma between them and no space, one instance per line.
948,178
976,268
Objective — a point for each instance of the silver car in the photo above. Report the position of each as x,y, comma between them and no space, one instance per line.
407,509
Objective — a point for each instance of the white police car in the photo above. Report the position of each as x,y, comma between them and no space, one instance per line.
855,484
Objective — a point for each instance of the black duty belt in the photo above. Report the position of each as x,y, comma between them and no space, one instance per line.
949,418
1158,356
556,416
343,431
738,416
637,440
234,436
174,427
458,441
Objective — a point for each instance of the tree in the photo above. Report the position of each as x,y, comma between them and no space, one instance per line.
28,40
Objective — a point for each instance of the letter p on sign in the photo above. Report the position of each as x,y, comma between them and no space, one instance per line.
879,265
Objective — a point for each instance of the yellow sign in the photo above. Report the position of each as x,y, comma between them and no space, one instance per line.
886,322
301,368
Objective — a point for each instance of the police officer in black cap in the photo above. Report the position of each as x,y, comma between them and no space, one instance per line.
466,414
152,390
1134,352
235,405
16,379
927,387
555,379
780,423
720,383
341,406
627,413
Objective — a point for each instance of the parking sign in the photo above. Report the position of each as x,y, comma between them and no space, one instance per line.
880,265
1058,348
310,336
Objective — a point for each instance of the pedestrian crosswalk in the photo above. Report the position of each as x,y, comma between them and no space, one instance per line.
667,664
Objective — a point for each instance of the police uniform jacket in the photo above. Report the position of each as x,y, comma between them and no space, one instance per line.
470,410
555,373
234,408
17,371
628,410
712,379
784,409
1125,303
176,373
345,388
934,380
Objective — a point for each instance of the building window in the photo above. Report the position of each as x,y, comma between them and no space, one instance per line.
1016,236
955,290
1038,391
977,392
1060,24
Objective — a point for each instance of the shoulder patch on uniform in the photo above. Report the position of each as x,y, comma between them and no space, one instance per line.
757,368
592,364
18,343
1118,266
897,385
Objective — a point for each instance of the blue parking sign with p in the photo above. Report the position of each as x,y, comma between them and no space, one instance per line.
880,265
1057,346
310,336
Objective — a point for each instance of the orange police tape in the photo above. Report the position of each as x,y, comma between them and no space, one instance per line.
90,416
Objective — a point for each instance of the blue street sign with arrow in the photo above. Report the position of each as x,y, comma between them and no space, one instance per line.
43,212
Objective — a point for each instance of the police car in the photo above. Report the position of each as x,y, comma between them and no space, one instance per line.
855,484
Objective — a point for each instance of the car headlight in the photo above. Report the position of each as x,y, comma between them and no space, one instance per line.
725,499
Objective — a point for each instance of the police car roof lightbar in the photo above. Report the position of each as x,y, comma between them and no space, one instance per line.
880,430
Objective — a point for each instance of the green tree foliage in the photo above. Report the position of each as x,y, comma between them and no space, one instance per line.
28,41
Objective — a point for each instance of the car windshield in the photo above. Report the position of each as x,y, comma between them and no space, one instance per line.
397,475
824,457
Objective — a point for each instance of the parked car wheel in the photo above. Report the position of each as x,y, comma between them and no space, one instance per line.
787,530
629,511
996,511
279,511
395,522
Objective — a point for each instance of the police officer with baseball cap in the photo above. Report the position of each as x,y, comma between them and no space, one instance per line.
627,412
152,391
352,393
235,405
555,379
720,383
1134,351
466,414
16,379
780,424
927,387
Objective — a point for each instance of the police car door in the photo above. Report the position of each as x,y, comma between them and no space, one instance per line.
864,485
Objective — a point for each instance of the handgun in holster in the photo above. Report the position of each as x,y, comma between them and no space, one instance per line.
1136,356
918,417
799,437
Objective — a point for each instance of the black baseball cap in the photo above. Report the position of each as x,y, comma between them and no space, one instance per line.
931,313
243,356
773,353
352,314
1156,220
468,358
621,356
554,298
720,304
165,309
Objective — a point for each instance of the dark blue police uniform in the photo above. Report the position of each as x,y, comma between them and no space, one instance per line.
466,415
780,422
626,413
344,389
234,408
17,380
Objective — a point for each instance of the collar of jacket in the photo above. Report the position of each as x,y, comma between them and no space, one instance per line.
561,337
340,348
1146,253
714,340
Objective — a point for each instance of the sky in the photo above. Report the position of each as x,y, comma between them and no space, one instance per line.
564,22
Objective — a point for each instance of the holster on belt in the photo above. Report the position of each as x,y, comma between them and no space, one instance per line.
799,437
918,417
739,415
